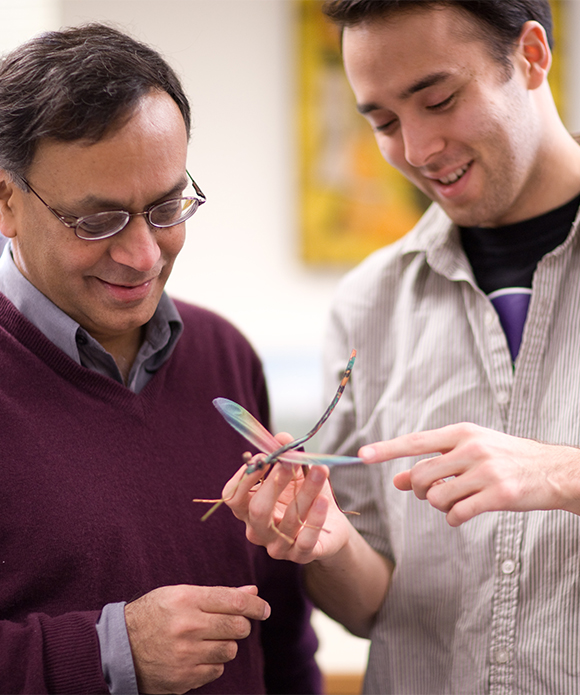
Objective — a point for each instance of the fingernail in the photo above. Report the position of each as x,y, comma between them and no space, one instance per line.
367,453
316,474
267,611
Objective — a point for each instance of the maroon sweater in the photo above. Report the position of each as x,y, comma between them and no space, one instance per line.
96,488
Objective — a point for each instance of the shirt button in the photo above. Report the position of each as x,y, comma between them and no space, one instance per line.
488,318
508,566
502,397
501,656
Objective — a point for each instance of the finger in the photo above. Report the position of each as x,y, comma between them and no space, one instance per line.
298,532
469,507
430,472
238,487
299,511
233,483
309,533
238,490
250,589
269,504
440,440
284,438
263,504
402,481
233,601
215,652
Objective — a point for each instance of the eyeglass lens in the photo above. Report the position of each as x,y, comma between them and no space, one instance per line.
166,214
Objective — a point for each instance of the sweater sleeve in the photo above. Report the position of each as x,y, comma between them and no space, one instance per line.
44,654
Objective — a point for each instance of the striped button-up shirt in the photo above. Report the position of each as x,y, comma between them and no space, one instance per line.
494,605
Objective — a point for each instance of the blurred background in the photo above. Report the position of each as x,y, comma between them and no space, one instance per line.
296,192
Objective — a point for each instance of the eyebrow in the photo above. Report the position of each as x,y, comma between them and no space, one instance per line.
418,86
92,200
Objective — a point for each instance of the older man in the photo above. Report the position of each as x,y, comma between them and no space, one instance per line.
108,429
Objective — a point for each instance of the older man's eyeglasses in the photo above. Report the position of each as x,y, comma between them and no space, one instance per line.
102,225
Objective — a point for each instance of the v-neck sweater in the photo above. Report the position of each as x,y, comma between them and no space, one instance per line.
96,489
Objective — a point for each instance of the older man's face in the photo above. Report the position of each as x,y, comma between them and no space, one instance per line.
112,286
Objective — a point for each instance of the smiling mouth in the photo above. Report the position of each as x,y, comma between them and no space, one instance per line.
454,176
127,287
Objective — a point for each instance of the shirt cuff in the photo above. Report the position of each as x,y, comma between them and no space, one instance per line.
116,657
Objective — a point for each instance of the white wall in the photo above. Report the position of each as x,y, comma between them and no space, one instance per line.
21,19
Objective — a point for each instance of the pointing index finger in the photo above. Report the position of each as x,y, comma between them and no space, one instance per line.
414,444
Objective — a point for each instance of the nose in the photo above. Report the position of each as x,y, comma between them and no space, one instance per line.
136,246
421,141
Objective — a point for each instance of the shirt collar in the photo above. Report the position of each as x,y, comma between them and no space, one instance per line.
57,326
438,239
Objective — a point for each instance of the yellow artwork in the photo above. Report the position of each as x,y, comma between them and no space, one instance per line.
352,201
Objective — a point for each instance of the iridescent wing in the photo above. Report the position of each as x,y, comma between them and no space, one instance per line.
247,425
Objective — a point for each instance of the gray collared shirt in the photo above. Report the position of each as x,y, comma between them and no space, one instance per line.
162,333
492,606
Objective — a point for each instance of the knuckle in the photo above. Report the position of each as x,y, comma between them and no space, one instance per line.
436,499
241,627
223,651
239,602
235,627
467,429
489,470
178,595
416,438
475,449
230,651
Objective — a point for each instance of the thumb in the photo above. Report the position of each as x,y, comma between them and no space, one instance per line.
249,589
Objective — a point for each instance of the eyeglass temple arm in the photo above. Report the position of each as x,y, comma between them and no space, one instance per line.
198,190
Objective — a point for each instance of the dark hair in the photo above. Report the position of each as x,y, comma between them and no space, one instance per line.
79,83
502,19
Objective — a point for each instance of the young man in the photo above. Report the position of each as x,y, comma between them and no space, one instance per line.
467,339
108,428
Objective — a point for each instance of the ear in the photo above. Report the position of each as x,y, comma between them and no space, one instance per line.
534,51
7,217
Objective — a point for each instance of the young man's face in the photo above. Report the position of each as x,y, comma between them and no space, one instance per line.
446,114
111,286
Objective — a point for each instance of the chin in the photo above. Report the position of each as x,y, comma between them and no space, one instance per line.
465,217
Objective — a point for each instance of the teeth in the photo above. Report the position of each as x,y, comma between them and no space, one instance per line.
455,175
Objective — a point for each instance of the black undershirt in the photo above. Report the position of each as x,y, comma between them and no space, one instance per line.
507,256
